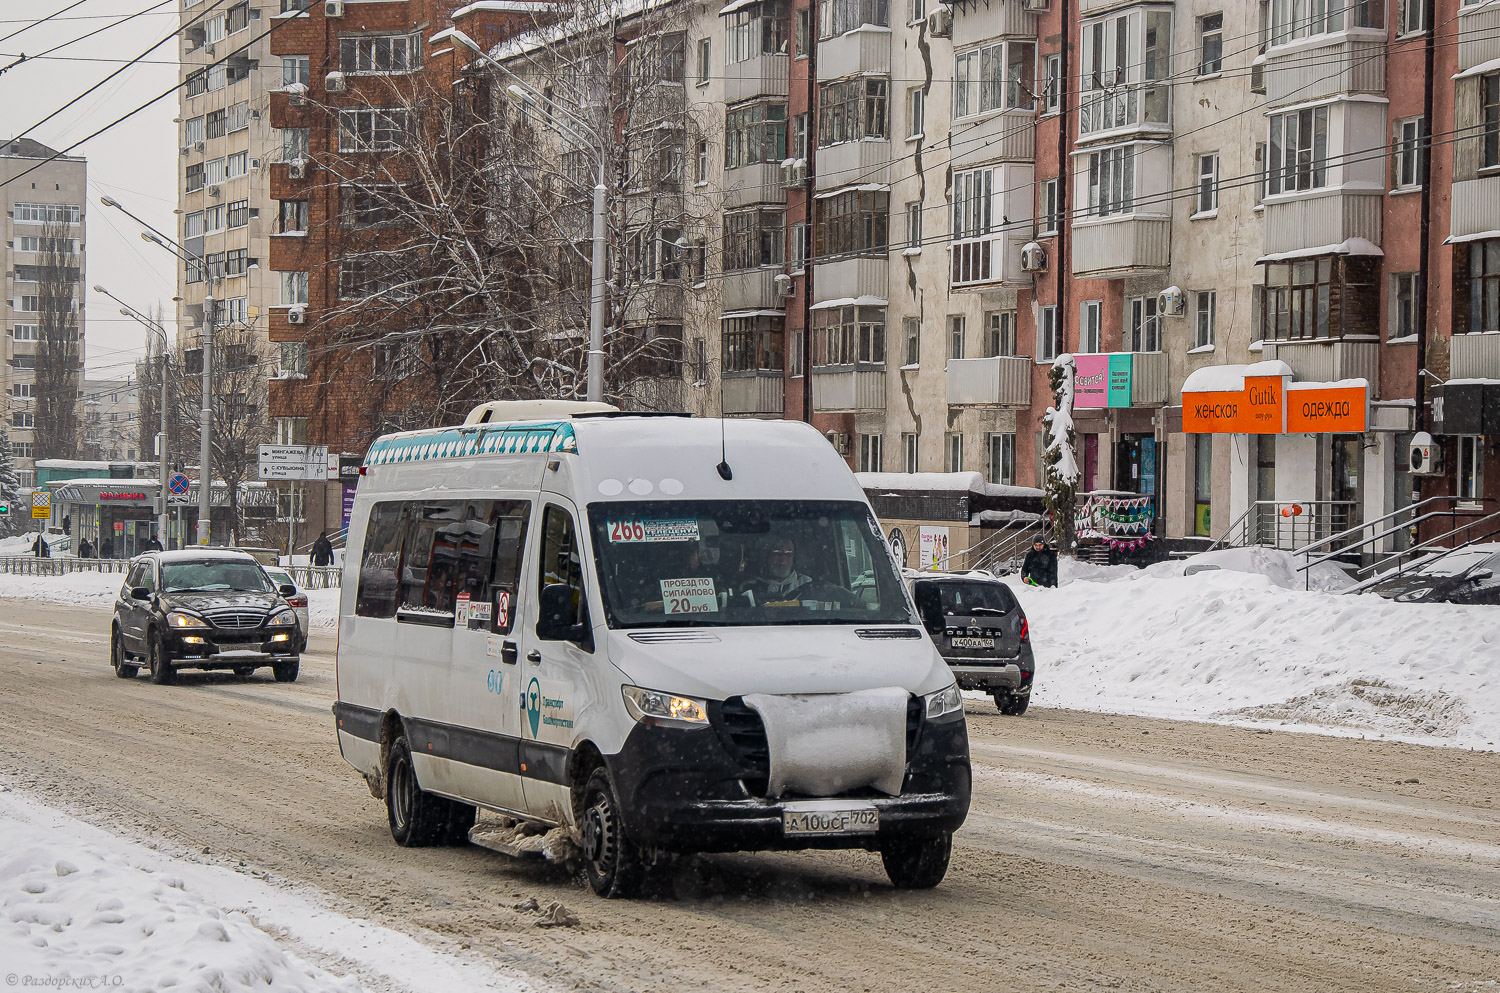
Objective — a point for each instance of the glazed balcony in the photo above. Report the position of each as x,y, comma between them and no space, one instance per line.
1001,380
1327,360
1303,222
755,394
842,389
1121,246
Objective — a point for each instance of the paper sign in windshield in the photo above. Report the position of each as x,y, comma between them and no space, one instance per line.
689,596
682,529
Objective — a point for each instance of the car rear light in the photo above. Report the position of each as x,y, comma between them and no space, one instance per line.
1025,629
301,601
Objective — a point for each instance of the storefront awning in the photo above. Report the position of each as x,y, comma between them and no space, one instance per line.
1351,246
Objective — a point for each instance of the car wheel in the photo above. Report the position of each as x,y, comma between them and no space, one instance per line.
244,671
417,818
917,863
162,673
611,860
117,657
1011,705
286,672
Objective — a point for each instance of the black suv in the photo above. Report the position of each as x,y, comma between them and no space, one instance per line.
981,631
202,609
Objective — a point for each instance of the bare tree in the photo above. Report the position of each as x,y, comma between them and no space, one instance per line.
59,351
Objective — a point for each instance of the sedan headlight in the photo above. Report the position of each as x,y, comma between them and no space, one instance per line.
283,617
944,702
178,619
664,709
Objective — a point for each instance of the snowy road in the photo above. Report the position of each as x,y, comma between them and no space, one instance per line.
1102,851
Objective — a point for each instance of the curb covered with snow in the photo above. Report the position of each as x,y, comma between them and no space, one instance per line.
98,589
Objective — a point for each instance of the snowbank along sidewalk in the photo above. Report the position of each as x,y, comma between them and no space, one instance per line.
99,589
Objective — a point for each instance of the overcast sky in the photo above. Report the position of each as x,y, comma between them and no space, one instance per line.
134,162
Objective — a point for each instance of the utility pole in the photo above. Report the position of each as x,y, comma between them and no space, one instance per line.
205,472
163,523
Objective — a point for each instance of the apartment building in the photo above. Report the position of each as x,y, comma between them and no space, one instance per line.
111,420
226,144
45,211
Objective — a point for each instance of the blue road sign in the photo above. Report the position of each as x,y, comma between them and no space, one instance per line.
178,484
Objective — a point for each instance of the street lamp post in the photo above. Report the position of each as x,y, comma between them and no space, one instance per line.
594,383
162,520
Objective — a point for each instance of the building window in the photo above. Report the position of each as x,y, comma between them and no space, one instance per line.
1406,295
23,419
237,214
700,174
851,223
848,336
911,330
293,216
1003,459
753,134
802,31
1091,326
1408,154
1126,71
26,332
291,430
955,447
236,164
1293,19
752,344
956,324
836,17
294,288
914,224
869,453
1000,333
754,238
1409,16
380,53
1053,89
292,360
1112,181
1298,151
1484,286
196,83
759,29
192,131
1470,476
293,144
371,130
796,354
916,11
1049,335
1297,296
852,110
295,70
1489,119
916,103
1211,44
1145,324
994,77
1206,308
909,446
1208,183
1050,212
797,239
45,213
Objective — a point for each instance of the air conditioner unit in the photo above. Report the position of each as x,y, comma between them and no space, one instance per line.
784,286
296,170
334,83
208,49
254,115
940,21
333,8
794,174
198,146
839,441
1033,257
254,13
214,191
296,316
1037,5
1172,302
186,149
1426,455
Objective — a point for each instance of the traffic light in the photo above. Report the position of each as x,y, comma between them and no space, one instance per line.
4,508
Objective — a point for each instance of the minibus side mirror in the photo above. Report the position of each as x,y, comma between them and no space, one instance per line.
558,616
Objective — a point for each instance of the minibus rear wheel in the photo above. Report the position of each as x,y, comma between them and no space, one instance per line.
417,817
917,863
611,861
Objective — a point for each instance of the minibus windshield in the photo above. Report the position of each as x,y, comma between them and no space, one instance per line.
690,563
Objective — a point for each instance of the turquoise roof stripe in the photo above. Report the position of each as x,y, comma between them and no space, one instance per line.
449,443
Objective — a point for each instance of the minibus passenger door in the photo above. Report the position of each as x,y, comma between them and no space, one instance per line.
557,647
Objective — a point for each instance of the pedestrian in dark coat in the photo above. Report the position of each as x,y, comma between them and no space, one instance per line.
322,550
85,549
1040,565
41,548
107,548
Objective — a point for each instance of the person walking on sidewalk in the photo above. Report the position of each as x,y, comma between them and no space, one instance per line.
322,550
1040,565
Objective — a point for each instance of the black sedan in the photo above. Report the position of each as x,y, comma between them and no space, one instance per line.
202,609
1469,575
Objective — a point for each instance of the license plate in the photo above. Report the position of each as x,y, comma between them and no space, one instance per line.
973,642
805,819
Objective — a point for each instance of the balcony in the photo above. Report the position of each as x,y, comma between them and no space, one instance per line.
1148,379
1126,109
751,289
650,303
1474,356
978,263
1476,206
867,161
758,394
759,183
850,279
761,76
1478,35
974,21
1003,380
865,49
1304,222
1121,246
1006,135
841,389
1328,360
1309,69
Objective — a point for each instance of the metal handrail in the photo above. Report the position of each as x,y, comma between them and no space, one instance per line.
1238,522
61,565
1010,549
1374,569
1451,514
1383,517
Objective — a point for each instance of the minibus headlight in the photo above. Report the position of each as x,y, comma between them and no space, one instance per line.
178,619
944,702
664,709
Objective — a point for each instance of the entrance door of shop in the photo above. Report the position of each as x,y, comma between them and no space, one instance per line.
1345,490
1135,464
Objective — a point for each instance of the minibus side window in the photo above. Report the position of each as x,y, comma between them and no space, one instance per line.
509,529
380,561
431,559
560,560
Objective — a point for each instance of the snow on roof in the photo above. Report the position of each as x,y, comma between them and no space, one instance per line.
862,301
944,482
500,7
861,188
735,5
1472,382
752,313
1479,70
1350,246
1362,384
1231,378
1459,239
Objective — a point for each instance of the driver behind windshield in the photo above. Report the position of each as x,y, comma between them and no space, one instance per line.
779,580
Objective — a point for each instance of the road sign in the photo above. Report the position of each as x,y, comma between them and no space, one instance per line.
177,484
294,462
41,504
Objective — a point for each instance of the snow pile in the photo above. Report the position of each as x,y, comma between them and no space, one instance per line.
77,589
1245,644
826,744
1280,567
322,608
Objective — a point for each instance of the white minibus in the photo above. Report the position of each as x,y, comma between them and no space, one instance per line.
662,633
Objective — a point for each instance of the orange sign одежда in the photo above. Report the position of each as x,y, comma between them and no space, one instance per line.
1326,410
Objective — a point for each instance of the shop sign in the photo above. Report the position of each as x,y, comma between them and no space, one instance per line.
122,496
1256,409
349,489
932,547
1102,380
1466,408
1326,409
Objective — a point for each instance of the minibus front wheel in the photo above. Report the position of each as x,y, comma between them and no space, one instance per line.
917,863
611,860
